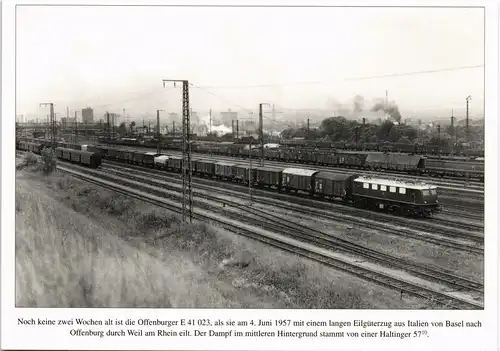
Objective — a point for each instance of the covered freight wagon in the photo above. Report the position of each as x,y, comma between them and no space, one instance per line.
75,155
333,185
110,152
175,163
125,155
91,159
270,177
206,168
241,173
298,179
137,157
149,158
224,170
393,161
66,154
161,161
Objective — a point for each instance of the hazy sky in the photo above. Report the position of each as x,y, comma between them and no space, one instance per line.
112,58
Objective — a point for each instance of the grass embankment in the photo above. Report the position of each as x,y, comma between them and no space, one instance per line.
78,245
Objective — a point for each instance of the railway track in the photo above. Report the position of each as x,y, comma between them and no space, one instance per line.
263,226
421,230
467,214
461,185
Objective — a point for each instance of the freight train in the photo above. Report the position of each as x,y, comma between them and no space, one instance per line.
399,197
405,198
422,149
363,160
83,157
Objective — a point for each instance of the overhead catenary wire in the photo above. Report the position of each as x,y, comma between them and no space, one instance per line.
341,79
151,91
230,102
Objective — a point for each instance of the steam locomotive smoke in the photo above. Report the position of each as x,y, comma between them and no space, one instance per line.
391,109
220,130
359,103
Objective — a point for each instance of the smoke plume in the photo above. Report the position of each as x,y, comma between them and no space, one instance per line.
390,108
220,130
359,103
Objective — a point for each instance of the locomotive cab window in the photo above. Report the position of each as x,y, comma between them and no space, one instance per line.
392,189
402,190
374,186
383,188
433,192
425,192
366,186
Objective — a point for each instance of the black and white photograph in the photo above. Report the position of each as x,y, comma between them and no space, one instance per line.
250,157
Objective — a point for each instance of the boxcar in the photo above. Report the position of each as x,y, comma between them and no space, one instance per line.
235,149
175,163
241,173
90,159
34,147
59,152
224,170
161,161
270,177
75,156
137,157
298,179
125,155
110,152
149,158
333,185
205,168
67,154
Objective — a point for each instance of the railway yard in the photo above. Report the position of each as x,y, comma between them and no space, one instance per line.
435,259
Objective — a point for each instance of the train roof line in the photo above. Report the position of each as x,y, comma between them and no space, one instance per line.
395,182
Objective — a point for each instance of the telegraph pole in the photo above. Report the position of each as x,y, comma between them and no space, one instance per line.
158,129
261,134
467,118
76,127
237,129
439,140
109,125
250,173
453,132
308,128
52,123
232,128
210,128
187,195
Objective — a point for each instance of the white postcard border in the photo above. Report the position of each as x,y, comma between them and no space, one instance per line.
14,336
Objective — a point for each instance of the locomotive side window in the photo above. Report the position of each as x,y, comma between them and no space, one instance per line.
392,189
383,188
366,186
433,191
425,192
374,187
402,190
